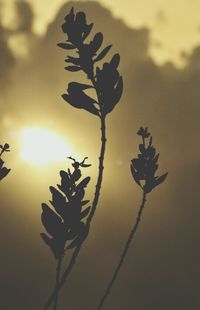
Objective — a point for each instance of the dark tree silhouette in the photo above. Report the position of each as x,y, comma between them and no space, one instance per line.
65,226
143,169
107,85
3,170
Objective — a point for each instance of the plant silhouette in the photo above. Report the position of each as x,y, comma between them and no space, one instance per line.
107,86
143,169
65,224
3,170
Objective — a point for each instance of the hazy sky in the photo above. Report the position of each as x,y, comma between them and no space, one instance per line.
175,24
162,269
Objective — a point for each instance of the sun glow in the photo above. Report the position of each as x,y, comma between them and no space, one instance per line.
41,146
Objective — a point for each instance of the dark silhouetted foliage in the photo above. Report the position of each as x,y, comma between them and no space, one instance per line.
106,80
3,170
143,169
66,222
107,85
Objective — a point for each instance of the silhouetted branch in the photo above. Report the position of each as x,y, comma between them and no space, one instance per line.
88,221
143,169
106,82
122,258
66,224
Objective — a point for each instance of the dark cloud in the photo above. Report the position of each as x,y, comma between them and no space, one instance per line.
24,16
7,60
162,268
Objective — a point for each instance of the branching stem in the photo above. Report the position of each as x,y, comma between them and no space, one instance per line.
89,219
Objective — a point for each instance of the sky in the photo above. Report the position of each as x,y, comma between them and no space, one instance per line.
175,27
162,267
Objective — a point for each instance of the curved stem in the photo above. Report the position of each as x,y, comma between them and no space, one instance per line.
58,269
89,219
122,258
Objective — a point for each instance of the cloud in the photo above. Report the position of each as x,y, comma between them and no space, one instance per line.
7,61
24,16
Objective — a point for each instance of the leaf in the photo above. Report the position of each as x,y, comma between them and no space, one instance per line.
84,229
161,179
66,184
73,68
56,245
1,163
51,221
116,96
155,159
97,42
66,46
83,184
58,201
81,86
115,60
135,175
78,196
103,53
87,31
3,172
85,212
84,202
73,60
85,103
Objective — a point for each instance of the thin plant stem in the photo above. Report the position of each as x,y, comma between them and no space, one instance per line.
90,217
124,253
58,270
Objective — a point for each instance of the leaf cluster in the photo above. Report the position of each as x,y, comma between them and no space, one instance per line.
65,222
106,81
3,170
144,167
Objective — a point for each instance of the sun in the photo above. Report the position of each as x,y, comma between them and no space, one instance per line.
41,146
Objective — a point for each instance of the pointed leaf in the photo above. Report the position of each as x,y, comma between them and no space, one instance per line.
58,201
80,86
73,60
83,184
161,179
84,202
51,221
66,183
3,172
97,42
66,46
85,212
84,229
115,60
1,162
135,175
73,68
117,93
87,31
103,53
78,196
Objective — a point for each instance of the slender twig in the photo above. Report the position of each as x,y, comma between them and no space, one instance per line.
89,219
58,270
124,253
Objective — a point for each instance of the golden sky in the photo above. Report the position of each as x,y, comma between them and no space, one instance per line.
174,24
162,269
